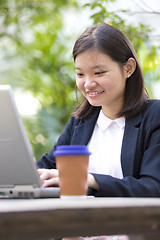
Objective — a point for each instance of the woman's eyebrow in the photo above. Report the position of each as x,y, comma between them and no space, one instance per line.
77,68
99,66
96,66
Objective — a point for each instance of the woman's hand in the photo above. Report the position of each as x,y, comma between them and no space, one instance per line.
49,177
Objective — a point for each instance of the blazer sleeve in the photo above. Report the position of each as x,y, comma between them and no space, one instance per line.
145,183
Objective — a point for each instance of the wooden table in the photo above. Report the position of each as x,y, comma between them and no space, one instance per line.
56,218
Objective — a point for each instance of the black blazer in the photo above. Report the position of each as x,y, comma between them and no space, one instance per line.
140,154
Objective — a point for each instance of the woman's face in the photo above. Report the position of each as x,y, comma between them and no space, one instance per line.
101,80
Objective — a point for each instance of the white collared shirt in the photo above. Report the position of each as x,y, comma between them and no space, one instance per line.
105,146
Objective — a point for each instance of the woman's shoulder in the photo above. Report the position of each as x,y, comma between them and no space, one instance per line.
152,105
151,110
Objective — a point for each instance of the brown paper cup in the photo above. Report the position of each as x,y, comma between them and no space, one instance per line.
72,163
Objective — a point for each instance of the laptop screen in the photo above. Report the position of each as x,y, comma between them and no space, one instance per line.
17,166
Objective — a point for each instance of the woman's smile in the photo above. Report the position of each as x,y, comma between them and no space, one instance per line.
93,94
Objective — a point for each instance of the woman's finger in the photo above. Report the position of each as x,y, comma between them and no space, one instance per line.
52,182
47,174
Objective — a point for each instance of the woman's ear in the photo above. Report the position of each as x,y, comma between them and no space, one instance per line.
130,67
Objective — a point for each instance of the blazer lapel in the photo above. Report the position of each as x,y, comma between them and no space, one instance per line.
83,132
129,144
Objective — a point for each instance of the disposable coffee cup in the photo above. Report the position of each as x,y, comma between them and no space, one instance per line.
72,163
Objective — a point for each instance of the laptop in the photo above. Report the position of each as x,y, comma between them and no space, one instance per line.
19,177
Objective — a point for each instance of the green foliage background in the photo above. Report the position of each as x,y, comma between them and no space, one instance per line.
35,57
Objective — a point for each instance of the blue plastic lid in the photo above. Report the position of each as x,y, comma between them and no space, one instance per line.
71,150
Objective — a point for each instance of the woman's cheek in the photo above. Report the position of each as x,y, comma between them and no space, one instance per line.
79,85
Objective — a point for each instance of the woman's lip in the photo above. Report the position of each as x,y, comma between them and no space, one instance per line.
94,93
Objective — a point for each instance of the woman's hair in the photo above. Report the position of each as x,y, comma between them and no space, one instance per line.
115,44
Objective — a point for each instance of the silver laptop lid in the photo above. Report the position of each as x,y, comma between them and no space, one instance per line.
17,166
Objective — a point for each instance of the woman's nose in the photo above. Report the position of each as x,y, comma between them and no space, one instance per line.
89,83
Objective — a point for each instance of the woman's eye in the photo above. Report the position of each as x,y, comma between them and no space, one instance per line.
79,74
98,73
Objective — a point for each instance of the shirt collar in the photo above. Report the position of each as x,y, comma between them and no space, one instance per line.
104,122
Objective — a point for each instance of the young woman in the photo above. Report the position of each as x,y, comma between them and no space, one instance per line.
116,119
